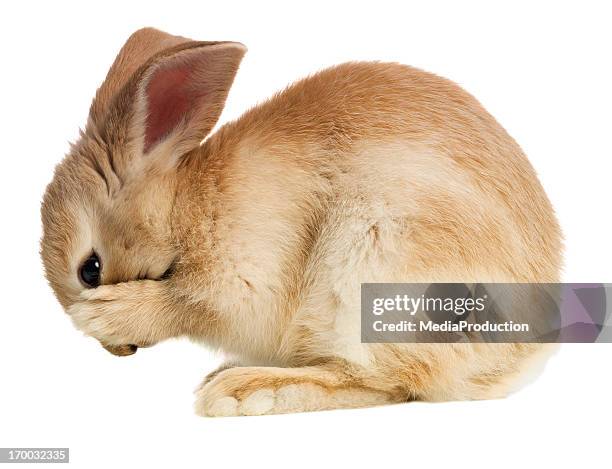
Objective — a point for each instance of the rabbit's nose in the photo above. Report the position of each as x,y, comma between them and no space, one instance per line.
121,350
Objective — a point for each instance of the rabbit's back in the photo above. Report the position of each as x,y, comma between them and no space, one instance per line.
416,148
370,172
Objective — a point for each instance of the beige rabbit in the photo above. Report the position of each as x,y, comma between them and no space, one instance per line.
257,241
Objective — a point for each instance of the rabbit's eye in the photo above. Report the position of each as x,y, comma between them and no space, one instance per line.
90,271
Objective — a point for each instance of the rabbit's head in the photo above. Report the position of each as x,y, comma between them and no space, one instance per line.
106,213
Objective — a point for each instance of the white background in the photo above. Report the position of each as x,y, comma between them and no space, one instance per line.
542,69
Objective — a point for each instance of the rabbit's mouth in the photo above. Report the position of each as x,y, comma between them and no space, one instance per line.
121,350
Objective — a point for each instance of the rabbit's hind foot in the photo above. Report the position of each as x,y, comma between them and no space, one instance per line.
269,390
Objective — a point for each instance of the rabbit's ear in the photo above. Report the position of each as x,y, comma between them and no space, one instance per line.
181,93
138,49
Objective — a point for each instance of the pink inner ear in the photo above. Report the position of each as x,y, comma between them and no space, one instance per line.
169,99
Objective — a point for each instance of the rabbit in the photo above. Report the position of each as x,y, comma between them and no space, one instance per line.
255,240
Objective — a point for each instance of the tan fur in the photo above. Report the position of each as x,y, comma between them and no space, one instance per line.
363,172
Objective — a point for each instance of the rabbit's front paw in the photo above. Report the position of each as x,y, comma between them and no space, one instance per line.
116,315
